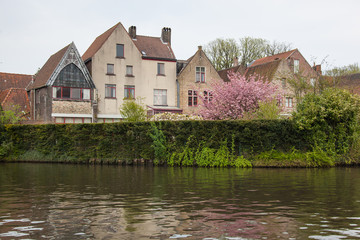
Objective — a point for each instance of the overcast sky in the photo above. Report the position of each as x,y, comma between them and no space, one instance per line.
32,30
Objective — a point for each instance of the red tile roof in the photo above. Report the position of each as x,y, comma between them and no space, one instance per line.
13,80
12,97
272,58
47,70
153,47
265,70
224,73
99,41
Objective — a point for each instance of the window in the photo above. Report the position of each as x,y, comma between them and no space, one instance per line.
312,82
289,102
120,50
129,92
129,70
161,69
160,97
192,98
283,82
207,96
200,74
296,66
71,93
110,90
110,69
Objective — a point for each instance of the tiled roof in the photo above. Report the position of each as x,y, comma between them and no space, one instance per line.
12,80
265,70
15,97
224,73
47,70
272,58
350,82
99,41
153,47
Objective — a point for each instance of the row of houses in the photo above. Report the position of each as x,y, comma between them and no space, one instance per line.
121,65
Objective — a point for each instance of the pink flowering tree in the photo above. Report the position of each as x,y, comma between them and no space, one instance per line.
231,100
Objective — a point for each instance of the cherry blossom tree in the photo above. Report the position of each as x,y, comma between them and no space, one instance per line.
231,100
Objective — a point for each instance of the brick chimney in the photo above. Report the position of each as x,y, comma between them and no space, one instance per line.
317,69
132,32
166,35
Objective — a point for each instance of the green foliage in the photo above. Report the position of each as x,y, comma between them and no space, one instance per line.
158,144
10,116
344,70
329,119
133,110
268,110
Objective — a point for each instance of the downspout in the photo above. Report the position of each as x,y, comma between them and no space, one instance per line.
178,93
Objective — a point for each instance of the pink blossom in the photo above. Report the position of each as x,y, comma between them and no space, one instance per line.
230,100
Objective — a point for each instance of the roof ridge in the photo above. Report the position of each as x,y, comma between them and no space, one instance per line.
23,74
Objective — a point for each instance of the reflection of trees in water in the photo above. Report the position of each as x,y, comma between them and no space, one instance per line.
138,202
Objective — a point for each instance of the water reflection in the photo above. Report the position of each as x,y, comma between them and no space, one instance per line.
42,201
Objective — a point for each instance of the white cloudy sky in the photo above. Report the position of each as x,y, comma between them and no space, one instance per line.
32,30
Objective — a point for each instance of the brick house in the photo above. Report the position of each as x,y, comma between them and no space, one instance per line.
125,65
281,69
194,78
62,90
13,95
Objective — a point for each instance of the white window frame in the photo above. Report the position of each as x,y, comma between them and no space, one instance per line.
289,102
296,65
200,75
160,97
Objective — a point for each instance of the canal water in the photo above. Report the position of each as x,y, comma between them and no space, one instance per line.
58,201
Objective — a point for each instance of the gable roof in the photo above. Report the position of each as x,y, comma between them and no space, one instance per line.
13,80
149,47
47,70
48,73
153,47
98,42
272,58
15,97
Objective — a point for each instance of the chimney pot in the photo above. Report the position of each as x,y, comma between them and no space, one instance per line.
200,47
132,32
166,35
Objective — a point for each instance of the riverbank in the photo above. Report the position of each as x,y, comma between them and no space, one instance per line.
263,143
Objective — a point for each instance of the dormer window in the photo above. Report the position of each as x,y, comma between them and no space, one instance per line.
296,66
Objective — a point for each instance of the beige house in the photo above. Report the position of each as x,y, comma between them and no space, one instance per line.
283,69
194,78
124,65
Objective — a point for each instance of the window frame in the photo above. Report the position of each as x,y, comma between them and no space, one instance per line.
200,74
111,87
192,98
132,71
161,97
127,91
71,93
296,65
289,102
107,69
117,55
161,70
208,96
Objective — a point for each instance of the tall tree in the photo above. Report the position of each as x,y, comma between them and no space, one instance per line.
222,52
231,100
252,49
344,70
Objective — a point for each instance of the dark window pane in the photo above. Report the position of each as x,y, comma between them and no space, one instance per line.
66,93
119,50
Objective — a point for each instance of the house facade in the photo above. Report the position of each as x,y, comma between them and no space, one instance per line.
194,80
285,70
125,66
62,90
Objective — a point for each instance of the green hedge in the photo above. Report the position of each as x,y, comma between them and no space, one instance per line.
128,141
